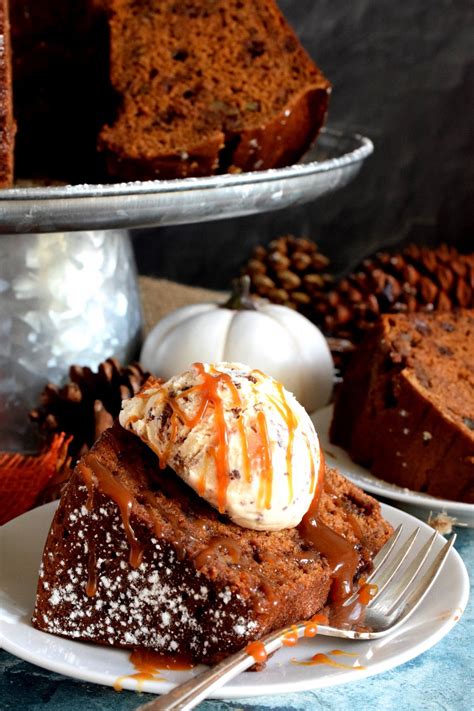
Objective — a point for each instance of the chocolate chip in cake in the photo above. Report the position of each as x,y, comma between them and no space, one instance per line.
445,351
447,327
422,327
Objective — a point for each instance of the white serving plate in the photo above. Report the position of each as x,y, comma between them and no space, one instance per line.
22,542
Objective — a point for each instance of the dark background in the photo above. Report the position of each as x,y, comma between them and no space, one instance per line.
402,74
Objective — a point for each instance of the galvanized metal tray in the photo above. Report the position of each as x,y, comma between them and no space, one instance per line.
331,164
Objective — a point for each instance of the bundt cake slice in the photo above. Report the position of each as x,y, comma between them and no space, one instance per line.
135,558
406,406
208,87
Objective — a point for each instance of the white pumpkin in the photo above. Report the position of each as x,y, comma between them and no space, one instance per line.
272,338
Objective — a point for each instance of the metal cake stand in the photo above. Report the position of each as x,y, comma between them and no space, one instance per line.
335,160
68,288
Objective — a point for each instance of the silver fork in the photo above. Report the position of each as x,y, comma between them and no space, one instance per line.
391,605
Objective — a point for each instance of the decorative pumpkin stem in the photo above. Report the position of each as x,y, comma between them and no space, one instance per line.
240,299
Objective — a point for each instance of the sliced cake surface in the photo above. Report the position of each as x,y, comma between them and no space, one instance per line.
406,407
135,558
208,87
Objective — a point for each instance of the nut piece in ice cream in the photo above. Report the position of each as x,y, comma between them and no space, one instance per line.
237,437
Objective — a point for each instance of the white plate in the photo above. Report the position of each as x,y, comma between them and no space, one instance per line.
421,505
21,548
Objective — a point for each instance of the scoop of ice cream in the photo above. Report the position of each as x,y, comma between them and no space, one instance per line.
237,437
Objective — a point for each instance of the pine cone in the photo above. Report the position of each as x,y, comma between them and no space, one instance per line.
416,279
88,403
290,271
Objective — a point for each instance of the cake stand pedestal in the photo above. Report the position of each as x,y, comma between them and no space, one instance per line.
68,289
64,298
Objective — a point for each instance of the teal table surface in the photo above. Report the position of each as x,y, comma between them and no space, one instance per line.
441,678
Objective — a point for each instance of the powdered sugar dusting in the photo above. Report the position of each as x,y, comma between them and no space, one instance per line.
163,604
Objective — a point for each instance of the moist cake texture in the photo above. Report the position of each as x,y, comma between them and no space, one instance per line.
406,406
208,87
178,88
135,558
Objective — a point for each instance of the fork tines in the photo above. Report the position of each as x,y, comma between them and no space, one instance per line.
397,597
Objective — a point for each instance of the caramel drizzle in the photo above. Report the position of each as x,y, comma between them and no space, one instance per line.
86,475
311,627
266,478
352,616
367,592
313,482
257,651
219,543
147,660
140,678
110,486
290,638
292,423
324,659
209,390
149,664
343,560
341,555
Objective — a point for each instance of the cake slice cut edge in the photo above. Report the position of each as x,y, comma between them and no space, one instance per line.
208,88
406,406
192,583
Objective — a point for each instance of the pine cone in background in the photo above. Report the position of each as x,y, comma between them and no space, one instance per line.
88,403
416,279
290,271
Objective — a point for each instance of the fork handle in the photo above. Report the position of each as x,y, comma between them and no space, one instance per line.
188,695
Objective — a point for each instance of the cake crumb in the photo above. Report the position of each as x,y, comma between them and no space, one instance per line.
441,522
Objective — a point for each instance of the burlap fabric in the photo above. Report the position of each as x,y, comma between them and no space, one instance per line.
160,296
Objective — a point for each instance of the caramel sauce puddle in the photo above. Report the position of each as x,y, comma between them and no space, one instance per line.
149,664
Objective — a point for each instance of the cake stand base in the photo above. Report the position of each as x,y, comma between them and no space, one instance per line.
64,298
